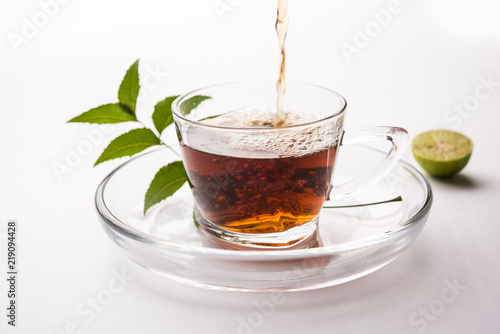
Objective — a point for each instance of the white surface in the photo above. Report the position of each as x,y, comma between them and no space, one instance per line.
429,57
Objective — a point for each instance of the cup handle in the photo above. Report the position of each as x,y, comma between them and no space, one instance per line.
398,137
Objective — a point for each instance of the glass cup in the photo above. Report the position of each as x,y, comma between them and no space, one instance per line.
259,186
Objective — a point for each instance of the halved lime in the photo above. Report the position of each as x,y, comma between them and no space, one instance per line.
442,152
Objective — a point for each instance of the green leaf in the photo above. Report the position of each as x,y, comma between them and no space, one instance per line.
195,221
165,183
214,116
105,114
129,88
162,116
191,103
129,144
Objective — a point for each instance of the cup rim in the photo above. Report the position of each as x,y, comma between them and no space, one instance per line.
176,107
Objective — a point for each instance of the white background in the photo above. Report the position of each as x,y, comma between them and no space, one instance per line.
432,55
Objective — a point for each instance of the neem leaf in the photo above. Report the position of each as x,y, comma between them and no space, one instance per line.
162,116
105,114
191,103
195,221
165,183
129,144
213,116
129,88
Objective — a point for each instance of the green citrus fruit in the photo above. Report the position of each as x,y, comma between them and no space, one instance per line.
442,152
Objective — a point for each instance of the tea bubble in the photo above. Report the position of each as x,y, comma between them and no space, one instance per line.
282,141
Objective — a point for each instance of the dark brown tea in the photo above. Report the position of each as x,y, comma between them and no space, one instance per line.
259,194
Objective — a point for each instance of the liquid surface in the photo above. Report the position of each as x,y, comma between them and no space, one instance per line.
281,142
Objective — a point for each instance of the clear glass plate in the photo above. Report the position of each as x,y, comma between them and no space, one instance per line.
352,240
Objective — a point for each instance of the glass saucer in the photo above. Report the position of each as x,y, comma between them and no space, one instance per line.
352,240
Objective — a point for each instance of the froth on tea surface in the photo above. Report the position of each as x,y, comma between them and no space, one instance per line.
277,143
260,182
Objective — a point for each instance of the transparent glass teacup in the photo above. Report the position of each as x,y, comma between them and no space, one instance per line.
262,186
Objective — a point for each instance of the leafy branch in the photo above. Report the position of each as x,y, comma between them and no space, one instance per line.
170,177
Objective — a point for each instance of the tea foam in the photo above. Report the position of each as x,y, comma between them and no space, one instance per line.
282,141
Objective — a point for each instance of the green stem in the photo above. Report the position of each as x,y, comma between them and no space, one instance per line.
171,149
161,141
396,199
